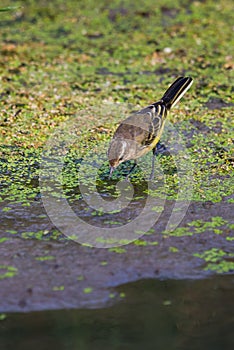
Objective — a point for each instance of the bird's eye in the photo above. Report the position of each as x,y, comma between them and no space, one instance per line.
121,158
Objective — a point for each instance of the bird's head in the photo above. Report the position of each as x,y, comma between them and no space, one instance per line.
118,152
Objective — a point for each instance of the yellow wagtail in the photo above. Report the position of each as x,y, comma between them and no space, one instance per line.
141,132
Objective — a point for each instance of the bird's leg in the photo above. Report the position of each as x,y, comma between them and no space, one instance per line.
160,148
131,170
152,169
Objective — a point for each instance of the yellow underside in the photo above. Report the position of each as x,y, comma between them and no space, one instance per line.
153,144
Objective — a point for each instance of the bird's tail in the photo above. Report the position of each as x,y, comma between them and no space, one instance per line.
176,91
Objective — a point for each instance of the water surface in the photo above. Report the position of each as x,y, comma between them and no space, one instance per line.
153,314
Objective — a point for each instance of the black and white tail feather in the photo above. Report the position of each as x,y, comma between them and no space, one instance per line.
176,91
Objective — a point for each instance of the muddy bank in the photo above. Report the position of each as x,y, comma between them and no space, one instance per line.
44,273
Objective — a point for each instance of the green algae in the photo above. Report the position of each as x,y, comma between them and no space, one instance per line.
117,250
6,209
173,249
212,177
80,278
112,295
41,235
3,317
58,288
87,290
7,271
216,225
12,232
179,232
3,239
76,57
45,258
217,260
141,242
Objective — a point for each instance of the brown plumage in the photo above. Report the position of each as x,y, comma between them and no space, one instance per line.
141,132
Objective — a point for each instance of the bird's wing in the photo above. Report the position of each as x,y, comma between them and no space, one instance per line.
143,126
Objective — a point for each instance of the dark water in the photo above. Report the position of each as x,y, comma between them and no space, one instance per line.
153,315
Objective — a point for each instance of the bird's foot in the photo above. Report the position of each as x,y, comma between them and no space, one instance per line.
161,149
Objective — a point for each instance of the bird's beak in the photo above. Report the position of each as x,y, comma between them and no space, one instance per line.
112,168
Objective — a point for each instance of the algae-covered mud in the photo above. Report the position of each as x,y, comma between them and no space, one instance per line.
70,71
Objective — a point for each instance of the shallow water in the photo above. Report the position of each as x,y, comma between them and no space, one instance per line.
153,314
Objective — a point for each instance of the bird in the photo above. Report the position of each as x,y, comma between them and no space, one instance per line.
141,132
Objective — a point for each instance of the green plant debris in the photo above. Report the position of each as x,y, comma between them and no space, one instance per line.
217,260
3,239
112,241
139,232
149,232
45,258
153,243
58,288
216,221
140,242
144,243
221,267
173,249
87,290
37,235
6,209
199,226
230,200
117,250
7,271
158,209
3,317
112,295
12,232
112,222
179,232
212,255
88,245
80,278
43,235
